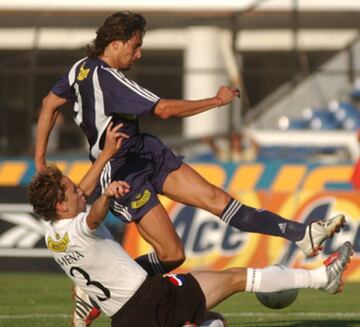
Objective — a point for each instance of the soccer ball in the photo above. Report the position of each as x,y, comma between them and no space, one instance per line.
278,300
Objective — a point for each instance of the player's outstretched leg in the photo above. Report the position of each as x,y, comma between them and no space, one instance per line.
309,238
85,311
317,232
204,195
218,286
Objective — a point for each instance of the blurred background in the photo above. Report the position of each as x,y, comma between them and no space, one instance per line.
289,144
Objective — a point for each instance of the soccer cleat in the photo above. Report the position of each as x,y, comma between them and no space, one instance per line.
335,265
84,312
317,232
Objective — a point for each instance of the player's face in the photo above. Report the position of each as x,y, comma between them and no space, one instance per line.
74,197
129,51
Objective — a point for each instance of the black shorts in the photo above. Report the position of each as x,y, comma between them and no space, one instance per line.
145,169
163,301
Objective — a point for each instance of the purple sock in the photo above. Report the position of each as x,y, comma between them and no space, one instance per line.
248,219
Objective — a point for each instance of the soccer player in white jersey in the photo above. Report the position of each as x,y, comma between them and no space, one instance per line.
73,198
84,248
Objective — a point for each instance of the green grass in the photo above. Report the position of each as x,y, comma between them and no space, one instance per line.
44,300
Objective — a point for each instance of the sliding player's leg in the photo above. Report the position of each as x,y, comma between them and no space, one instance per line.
217,286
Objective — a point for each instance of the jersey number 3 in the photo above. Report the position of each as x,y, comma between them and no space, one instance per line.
94,283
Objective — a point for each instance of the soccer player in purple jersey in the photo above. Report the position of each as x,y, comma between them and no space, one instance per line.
101,94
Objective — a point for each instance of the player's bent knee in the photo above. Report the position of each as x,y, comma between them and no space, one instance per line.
175,255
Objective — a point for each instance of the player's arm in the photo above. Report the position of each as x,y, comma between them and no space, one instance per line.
100,207
48,114
113,141
167,108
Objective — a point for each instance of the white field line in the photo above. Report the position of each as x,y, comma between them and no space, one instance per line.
294,314
347,315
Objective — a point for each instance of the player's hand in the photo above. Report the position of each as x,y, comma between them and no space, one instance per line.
226,94
117,189
113,139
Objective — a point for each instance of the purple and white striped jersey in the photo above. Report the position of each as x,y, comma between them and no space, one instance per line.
101,94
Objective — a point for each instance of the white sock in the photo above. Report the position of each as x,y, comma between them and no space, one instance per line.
277,278
253,279
319,277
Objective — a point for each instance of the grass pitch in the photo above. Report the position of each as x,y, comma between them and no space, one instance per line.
44,300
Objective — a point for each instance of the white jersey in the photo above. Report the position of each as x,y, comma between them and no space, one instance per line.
95,262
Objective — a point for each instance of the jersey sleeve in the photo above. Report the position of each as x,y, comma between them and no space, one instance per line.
82,227
124,96
84,230
63,89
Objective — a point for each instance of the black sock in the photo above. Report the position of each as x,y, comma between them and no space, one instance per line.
151,263
248,219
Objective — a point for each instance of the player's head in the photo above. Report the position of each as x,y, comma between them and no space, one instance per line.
121,26
54,195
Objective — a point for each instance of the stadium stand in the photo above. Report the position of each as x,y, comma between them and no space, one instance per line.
337,115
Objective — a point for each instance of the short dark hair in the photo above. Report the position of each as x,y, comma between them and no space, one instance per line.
45,191
119,26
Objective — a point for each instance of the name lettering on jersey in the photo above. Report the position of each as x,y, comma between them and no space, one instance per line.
142,199
70,258
58,246
83,73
